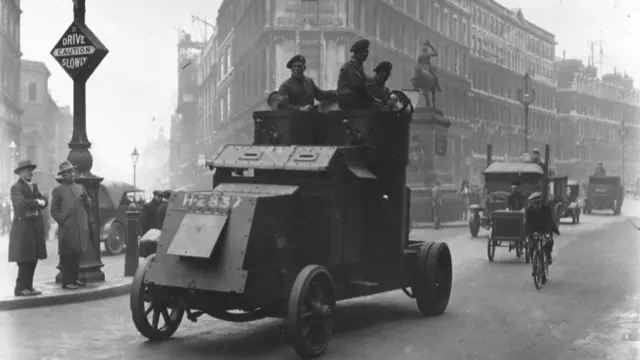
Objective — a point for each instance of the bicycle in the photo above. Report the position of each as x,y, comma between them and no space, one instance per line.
538,260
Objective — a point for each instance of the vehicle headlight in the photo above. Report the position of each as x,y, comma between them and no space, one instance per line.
399,102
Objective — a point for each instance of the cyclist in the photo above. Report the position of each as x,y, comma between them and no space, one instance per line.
539,219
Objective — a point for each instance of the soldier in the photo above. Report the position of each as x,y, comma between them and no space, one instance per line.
377,87
161,211
352,81
148,215
600,171
299,92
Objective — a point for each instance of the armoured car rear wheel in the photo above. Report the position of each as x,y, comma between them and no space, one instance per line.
145,302
114,244
431,283
312,303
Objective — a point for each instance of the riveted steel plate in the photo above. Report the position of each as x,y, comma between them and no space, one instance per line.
197,235
301,158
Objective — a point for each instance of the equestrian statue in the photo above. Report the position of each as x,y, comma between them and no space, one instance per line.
424,77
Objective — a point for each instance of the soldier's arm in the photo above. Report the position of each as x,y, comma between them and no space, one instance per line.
284,91
322,95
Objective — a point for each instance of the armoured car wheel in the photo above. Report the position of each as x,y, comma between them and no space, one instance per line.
312,303
491,249
146,302
431,282
114,244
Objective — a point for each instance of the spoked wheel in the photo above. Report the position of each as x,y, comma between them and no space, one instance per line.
578,218
538,269
527,253
474,226
491,249
114,244
519,249
432,278
155,317
311,309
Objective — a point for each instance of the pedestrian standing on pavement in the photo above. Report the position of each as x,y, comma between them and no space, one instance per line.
436,199
148,219
69,208
26,240
465,194
162,208
46,217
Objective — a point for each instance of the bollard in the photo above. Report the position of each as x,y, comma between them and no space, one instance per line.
133,228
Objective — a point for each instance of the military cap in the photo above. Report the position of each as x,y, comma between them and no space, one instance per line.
383,66
296,58
536,151
167,194
157,192
536,196
360,45
515,183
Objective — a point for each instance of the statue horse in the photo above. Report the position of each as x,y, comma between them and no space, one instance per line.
425,82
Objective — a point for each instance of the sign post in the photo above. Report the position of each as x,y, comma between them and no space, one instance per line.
79,52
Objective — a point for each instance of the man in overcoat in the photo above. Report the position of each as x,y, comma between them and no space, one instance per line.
27,238
148,219
69,204
161,212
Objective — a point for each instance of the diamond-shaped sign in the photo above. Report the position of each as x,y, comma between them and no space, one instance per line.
79,51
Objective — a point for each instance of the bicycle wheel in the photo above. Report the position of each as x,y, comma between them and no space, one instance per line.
537,269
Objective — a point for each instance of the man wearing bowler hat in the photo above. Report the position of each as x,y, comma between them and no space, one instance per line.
27,238
70,209
377,86
352,81
148,214
299,92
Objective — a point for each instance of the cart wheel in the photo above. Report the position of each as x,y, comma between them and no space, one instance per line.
474,226
519,250
538,268
431,282
312,302
491,249
527,254
142,294
114,244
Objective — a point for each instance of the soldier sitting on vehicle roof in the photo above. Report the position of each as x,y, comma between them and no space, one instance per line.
377,86
299,92
600,171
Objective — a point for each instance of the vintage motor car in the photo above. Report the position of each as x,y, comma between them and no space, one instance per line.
604,193
114,198
507,226
574,208
498,178
322,218
558,198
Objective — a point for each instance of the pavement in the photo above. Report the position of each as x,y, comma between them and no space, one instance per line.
590,309
44,280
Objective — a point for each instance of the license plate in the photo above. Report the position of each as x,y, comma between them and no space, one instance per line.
209,202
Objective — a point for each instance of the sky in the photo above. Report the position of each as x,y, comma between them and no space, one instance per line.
137,81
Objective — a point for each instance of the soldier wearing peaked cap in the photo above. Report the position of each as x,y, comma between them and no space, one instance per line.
353,82
300,92
377,87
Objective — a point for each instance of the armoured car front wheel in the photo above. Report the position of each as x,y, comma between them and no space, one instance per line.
432,278
146,303
311,307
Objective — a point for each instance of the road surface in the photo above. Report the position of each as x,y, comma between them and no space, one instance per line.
588,310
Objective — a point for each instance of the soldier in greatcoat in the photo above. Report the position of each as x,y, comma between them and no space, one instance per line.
26,239
70,206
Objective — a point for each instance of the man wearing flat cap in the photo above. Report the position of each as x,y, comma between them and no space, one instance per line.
377,87
27,238
148,214
161,211
300,92
352,81
516,199
70,208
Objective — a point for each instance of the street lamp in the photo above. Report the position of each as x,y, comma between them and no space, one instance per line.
526,96
134,160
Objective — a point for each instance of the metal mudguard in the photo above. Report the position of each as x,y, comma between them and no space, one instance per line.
208,235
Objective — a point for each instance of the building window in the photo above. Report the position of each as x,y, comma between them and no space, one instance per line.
454,30
435,16
392,40
464,32
376,23
445,30
403,38
33,91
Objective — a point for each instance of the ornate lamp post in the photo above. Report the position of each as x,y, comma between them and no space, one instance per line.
80,65
134,160
526,96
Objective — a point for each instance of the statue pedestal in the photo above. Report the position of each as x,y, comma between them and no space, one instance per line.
428,161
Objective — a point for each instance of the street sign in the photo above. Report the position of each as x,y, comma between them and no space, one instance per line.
79,51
